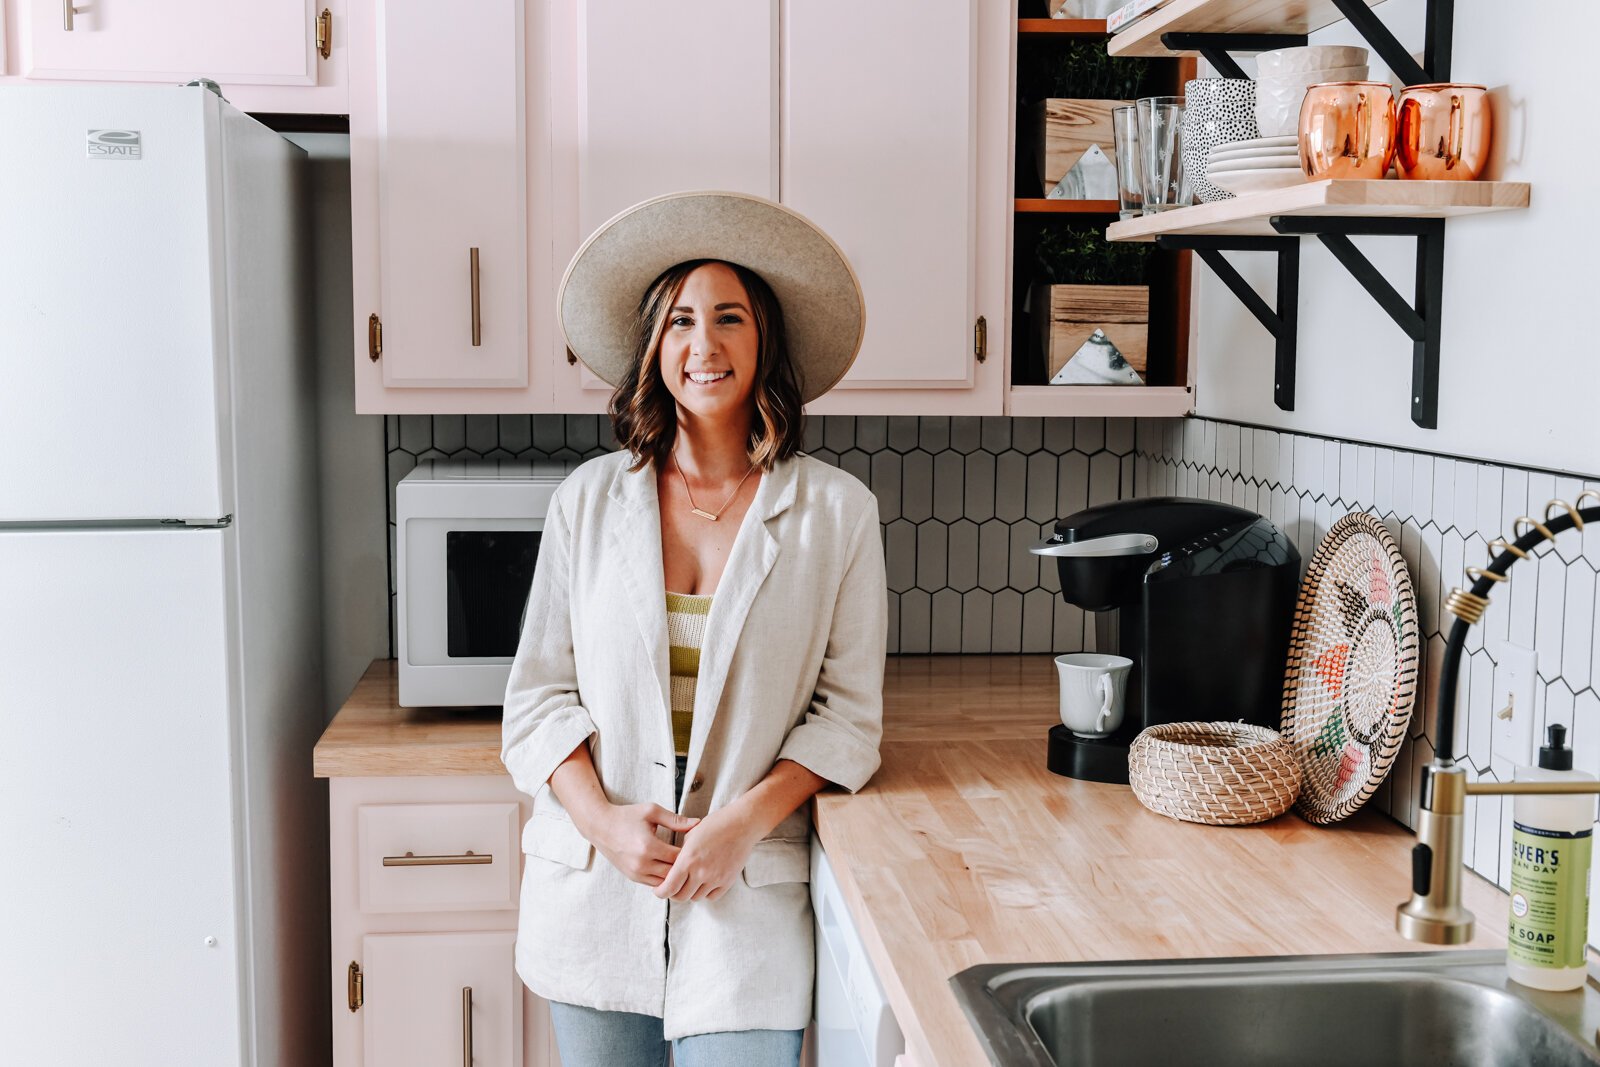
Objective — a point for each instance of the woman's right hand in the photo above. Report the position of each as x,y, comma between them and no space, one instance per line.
626,836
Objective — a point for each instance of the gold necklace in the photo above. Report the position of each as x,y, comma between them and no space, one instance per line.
701,511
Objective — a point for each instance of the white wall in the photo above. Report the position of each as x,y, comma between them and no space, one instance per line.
1519,366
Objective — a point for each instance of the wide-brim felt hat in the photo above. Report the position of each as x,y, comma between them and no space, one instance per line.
824,314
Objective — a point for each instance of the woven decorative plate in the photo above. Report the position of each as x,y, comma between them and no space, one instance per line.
1352,673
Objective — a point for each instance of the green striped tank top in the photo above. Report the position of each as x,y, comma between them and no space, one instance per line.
686,626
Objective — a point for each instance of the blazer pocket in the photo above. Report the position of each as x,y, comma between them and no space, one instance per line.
553,838
778,860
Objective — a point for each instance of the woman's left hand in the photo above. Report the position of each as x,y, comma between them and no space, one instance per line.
713,854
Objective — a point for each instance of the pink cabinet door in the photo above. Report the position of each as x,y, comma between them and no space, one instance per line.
262,42
427,996
880,149
446,135
659,98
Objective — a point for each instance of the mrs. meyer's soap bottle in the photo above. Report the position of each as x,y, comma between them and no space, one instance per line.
1550,844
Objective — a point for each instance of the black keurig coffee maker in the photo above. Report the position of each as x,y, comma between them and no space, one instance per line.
1200,596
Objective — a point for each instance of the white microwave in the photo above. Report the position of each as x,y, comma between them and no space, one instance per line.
467,539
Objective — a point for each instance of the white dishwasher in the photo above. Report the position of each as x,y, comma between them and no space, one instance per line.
853,1026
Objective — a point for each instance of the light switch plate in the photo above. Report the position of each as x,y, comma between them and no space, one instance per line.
1513,690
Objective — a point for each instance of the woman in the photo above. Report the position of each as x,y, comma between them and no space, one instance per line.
704,643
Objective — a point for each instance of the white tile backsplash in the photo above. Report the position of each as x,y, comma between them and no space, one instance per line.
1443,511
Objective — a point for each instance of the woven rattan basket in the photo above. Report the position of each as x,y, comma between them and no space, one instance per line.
1221,773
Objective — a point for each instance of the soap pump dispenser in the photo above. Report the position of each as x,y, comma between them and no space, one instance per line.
1550,848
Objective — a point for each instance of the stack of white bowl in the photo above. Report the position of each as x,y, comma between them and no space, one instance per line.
1241,167
1284,75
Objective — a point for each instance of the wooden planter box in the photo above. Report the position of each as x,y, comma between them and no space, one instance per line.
1065,316
1063,128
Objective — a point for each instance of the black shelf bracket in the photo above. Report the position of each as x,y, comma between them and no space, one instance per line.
1435,66
1282,322
1215,47
1421,322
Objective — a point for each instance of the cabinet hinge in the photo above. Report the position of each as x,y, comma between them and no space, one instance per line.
354,990
980,339
374,337
324,33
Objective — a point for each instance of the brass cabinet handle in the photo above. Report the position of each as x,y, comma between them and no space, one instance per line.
374,337
477,318
67,11
466,1026
412,860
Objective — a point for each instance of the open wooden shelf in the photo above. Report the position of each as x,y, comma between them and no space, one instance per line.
1143,38
1251,215
1040,206
1100,401
1061,27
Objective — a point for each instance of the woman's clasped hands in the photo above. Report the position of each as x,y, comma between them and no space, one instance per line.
713,852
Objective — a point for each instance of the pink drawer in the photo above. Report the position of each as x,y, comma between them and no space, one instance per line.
438,857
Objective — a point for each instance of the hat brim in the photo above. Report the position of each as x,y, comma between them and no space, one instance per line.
824,313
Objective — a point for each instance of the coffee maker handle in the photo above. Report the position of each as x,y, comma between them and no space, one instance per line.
1107,696
1128,544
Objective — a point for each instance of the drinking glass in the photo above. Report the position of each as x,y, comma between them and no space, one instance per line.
1161,152
1130,171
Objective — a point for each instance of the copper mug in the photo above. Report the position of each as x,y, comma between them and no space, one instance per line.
1444,132
1347,130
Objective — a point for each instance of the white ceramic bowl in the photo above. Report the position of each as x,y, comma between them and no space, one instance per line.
1243,182
1278,102
1353,73
1307,58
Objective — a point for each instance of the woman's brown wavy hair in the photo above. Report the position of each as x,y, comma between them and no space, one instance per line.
644,414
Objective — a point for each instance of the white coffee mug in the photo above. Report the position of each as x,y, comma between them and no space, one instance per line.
1092,690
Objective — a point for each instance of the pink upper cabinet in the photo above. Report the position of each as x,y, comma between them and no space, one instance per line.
265,54
879,139
442,143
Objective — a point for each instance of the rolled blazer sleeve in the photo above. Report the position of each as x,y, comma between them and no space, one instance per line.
544,718
839,735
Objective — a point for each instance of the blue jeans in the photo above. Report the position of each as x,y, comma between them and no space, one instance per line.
589,1037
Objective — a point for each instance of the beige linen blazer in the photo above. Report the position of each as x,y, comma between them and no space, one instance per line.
791,667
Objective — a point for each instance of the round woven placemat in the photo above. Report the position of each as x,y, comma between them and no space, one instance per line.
1352,673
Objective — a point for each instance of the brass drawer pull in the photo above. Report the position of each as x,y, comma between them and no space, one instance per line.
412,860
466,1026
477,317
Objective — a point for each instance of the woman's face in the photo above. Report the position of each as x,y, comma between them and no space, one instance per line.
709,346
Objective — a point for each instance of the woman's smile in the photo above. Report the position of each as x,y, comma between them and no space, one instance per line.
708,377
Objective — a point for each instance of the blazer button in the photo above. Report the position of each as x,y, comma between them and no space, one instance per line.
699,780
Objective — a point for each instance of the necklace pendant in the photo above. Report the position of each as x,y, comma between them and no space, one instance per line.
704,514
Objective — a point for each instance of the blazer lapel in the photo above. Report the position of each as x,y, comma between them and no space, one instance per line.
754,552
635,532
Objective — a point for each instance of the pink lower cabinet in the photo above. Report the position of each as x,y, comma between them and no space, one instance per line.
425,873
436,997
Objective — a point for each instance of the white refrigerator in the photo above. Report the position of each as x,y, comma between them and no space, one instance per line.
163,895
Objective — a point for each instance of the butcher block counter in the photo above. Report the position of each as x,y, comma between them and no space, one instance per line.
964,849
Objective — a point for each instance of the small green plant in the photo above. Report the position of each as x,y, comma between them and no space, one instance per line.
1079,256
1083,70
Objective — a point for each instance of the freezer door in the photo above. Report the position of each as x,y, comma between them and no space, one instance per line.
113,398
120,942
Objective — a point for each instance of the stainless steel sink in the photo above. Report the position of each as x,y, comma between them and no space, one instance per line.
1399,1009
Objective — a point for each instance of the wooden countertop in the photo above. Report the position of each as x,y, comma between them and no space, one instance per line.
964,849
373,736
